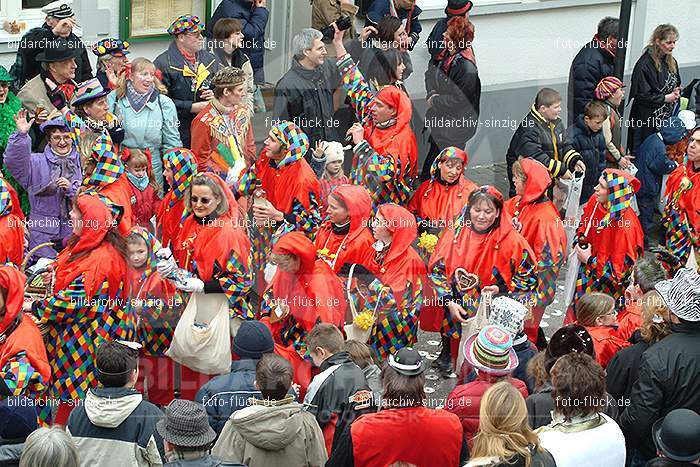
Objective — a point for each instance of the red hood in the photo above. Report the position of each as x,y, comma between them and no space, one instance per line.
397,99
13,282
297,244
402,225
538,179
97,221
359,204
233,211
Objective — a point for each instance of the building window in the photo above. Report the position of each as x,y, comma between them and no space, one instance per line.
26,4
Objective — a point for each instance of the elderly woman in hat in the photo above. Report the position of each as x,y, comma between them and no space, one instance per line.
404,431
51,177
111,60
187,70
222,132
147,113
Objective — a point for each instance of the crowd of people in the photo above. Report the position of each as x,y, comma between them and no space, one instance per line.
172,294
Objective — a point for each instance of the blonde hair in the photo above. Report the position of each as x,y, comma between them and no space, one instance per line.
518,170
503,428
537,371
653,308
139,158
591,306
137,65
662,32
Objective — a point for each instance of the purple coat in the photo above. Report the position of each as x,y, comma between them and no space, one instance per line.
49,205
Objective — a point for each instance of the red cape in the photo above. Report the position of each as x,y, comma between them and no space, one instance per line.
284,183
689,201
169,218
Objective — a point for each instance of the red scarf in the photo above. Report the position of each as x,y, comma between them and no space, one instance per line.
603,46
189,57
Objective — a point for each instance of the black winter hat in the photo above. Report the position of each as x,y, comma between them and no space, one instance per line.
407,361
253,340
458,7
567,339
677,435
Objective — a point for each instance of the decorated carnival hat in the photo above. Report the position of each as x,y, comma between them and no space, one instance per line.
60,9
110,46
607,87
491,351
228,77
565,340
508,314
682,294
5,76
89,91
407,362
185,23
677,434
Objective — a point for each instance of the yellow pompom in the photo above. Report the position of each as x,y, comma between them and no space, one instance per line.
364,320
686,184
427,241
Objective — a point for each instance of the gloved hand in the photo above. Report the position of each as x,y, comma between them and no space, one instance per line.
234,173
269,272
666,257
191,284
166,263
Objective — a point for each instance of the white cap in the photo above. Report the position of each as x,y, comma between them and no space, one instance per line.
60,9
334,151
508,314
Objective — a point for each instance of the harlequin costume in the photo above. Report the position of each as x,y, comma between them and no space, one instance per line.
220,136
500,256
351,242
290,186
386,161
615,237
681,217
396,295
172,211
543,229
24,366
89,305
314,295
435,204
11,225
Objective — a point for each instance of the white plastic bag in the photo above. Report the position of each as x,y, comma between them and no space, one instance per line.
473,325
352,331
201,340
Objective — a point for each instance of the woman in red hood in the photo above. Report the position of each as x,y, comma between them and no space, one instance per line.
303,292
179,166
480,253
395,293
11,225
536,218
24,366
89,303
435,204
214,248
158,307
386,153
345,237
612,236
681,218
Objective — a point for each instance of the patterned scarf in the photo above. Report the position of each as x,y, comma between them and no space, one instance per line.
5,199
620,194
109,166
182,163
137,100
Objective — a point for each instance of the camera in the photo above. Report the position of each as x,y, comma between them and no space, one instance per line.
343,23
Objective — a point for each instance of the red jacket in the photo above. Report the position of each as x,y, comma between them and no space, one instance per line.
629,320
606,343
465,400
144,205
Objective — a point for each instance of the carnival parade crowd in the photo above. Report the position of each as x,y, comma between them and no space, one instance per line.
171,293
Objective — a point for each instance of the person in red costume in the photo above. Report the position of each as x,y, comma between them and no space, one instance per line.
158,306
612,236
480,253
395,290
179,167
285,190
213,248
11,225
24,366
596,312
536,218
304,291
681,218
385,150
345,237
435,204
404,431
89,302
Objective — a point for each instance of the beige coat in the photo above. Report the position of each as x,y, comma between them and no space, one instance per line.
324,12
33,92
280,434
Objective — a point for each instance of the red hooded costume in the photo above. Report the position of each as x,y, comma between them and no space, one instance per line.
11,225
24,366
543,230
681,217
355,245
171,213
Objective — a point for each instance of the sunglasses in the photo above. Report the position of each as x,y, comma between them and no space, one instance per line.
204,200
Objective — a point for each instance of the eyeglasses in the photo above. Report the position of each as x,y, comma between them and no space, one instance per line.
204,200
58,138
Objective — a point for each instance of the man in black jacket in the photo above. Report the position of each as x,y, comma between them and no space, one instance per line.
59,23
542,136
593,62
304,94
339,393
669,375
